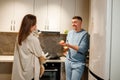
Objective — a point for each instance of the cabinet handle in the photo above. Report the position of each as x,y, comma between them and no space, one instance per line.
51,70
14,26
11,25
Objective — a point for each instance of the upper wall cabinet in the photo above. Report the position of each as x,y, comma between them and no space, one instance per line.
6,15
41,13
12,12
67,12
70,8
22,7
48,14
54,15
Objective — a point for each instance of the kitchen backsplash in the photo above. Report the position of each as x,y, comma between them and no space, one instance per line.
7,42
49,43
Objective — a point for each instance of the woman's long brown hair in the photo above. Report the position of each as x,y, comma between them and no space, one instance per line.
28,21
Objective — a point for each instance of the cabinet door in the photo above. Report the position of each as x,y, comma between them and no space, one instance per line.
67,12
54,8
22,7
6,15
41,13
48,14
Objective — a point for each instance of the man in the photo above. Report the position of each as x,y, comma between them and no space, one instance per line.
78,44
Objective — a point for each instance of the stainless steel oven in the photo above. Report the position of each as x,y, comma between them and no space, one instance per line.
52,71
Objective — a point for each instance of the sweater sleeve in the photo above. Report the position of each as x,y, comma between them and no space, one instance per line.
84,44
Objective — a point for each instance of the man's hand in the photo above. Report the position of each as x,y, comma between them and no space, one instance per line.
62,42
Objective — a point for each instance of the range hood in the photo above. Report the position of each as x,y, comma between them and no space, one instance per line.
50,32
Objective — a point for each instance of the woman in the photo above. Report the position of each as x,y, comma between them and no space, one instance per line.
26,64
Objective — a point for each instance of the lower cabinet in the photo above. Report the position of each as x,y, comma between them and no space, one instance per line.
5,70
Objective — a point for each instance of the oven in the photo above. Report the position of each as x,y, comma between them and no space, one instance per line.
52,71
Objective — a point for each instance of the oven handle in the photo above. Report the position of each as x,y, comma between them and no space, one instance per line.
48,70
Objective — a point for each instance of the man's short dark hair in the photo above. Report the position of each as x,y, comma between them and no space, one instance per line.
77,17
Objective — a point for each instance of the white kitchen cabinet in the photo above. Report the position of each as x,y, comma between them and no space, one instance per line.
54,8
41,13
48,14
12,13
54,15
82,9
70,8
6,15
67,12
22,7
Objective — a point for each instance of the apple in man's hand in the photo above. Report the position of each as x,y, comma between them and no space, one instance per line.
62,42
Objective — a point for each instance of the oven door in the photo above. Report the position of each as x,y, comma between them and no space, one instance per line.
50,74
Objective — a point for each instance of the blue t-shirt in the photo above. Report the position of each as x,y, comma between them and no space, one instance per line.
80,39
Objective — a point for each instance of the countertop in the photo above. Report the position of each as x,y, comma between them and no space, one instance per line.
11,58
